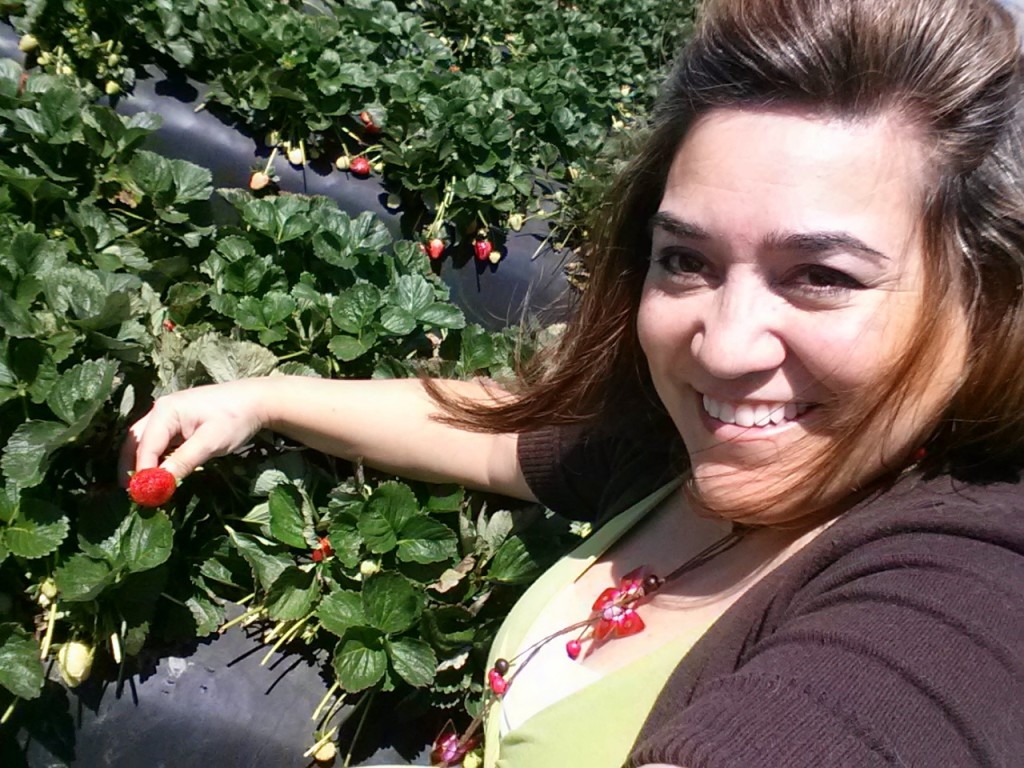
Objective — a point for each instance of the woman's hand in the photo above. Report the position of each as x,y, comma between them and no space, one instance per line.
184,429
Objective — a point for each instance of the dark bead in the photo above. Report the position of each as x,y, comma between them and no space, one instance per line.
652,583
502,666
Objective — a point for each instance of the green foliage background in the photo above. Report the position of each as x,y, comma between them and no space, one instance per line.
116,287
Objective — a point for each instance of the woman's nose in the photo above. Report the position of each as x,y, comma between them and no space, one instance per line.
738,333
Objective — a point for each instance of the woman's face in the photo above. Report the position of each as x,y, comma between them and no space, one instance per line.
786,272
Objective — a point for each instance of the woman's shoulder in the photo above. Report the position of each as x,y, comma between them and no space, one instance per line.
896,637
939,506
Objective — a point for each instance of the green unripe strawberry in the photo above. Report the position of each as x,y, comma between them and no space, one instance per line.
74,661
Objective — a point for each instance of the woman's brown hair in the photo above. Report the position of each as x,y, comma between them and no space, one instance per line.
951,71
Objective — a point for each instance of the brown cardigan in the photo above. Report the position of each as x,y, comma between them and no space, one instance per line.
895,638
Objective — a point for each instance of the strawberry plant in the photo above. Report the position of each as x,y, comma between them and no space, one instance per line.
115,287
497,105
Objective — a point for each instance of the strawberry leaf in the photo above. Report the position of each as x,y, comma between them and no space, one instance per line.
425,540
38,529
82,578
360,660
341,610
148,541
268,560
391,602
286,522
21,672
384,515
413,660
292,595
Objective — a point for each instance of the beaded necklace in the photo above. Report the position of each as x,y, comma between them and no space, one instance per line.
613,615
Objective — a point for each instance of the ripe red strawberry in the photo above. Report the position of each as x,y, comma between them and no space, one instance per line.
359,165
482,249
169,325
322,550
435,248
573,648
367,120
152,487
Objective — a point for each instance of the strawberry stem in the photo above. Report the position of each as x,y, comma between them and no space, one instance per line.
324,700
51,620
8,712
366,701
330,735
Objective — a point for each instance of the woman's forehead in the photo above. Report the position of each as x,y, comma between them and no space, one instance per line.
767,176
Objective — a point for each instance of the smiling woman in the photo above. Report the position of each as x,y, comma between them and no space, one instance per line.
790,398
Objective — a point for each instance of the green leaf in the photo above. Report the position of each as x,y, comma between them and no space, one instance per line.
349,348
268,560
27,454
286,522
81,578
397,321
355,307
191,182
413,660
360,660
148,541
387,510
21,671
445,498
391,602
341,610
513,563
425,540
411,293
38,529
442,315
208,614
292,595
81,391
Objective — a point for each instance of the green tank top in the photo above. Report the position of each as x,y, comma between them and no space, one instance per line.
597,725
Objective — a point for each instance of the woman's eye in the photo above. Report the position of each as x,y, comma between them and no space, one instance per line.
825,280
680,262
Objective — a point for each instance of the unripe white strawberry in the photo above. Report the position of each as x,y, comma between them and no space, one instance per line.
74,661
28,43
369,567
296,156
326,753
258,180
111,88
342,163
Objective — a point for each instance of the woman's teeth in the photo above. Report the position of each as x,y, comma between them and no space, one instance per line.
759,415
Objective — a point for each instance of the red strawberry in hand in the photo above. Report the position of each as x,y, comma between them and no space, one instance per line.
482,249
435,248
152,487
359,165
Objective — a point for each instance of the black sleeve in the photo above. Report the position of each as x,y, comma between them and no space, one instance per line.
584,474
910,653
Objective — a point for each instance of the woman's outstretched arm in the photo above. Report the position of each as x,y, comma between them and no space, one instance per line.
388,423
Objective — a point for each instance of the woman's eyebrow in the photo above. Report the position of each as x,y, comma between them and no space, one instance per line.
813,243
676,226
810,243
